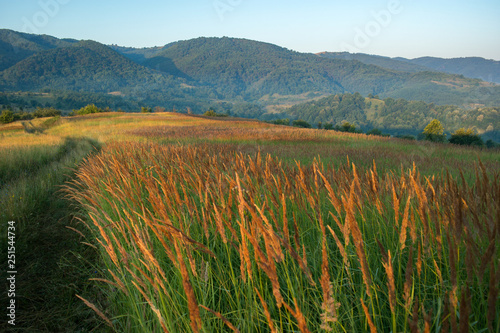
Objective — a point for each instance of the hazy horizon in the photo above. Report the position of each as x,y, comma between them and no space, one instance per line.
392,28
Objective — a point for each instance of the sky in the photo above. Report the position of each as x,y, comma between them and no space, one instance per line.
395,28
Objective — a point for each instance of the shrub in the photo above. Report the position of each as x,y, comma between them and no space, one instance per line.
91,108
345,127
285,122
301,123
210,113
6,117
46,112
466,137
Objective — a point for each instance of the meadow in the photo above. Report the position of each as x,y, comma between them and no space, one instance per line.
181,223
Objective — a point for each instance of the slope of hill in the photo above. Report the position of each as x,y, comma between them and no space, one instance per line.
240,68
474,67
384,62
16,46
201,71
395,116
471,67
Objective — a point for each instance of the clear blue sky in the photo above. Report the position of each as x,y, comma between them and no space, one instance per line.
407,28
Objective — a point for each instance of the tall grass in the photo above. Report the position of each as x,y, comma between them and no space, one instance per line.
49,273
205,239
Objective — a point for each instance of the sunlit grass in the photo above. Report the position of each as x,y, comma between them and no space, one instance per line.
178,202
199,238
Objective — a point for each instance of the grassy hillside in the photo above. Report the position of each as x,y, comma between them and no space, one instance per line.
188,223
396,116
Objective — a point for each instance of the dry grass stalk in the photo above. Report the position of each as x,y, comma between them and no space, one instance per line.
438,271
358,240
493,295
395,205
408,281
404,225
373,329
419,260
329,307
445,326
221,317
390,282
465,302
266,312
347,265
413,323
194,312
99,313
297,314
427,320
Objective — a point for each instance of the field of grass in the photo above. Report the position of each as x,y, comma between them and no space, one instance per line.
194,224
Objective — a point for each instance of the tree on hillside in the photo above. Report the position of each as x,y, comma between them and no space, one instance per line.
91,108
345,127
6,117
301,123
468,137
434,131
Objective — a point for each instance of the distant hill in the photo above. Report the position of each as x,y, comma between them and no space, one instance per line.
384,62
250,70
85,65
239,75
474,67
394,116
16,46
471,67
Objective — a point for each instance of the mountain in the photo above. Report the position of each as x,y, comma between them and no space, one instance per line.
384,62
86,65
471,67
253,71
139,55
395,116
225,71
16,46
474,67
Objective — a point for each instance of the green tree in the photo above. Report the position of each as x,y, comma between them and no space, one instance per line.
434,127
146,110
210,113
374,131
467,137
328,126
91,108
301,123
346,127
434,131
6,117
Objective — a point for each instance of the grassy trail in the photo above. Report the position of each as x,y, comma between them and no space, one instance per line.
51,262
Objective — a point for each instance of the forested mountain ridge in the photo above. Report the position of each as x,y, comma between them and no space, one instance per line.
384,62
16,46
236,75
474,67
86,65
396,116
471,67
